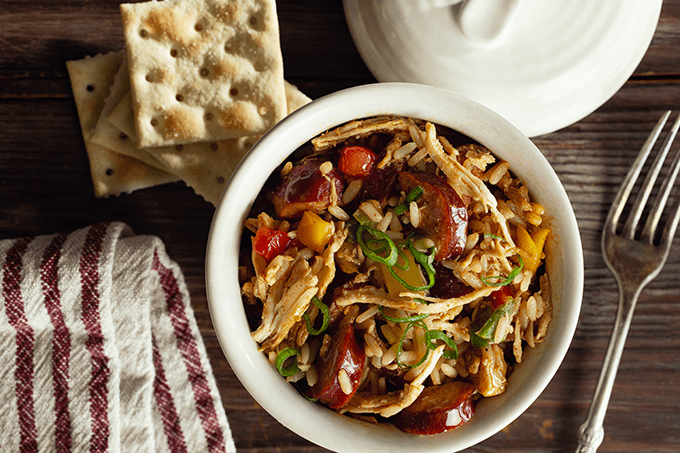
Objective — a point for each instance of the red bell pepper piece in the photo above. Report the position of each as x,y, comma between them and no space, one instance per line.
270,243
500,296
356,161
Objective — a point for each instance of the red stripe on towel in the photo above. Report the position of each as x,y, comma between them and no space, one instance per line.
166,405
25,342
192,359
89,277
61,342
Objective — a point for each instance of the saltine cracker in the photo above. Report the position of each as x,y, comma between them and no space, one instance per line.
203,70
205,166
112,173
107,135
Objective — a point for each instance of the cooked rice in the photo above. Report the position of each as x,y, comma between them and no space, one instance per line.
498,203
414,214
404,151
345,383
338,213
352,190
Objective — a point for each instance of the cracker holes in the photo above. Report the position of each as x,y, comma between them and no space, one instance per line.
214,146
205,72
263,110
209,116
260,65
109,172
220,180
198,27
123,136
143,33
154,122
179,147
179,97
233,92
90,88
155,75
174,53
254,22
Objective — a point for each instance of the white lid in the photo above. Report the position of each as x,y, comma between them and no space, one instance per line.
556,61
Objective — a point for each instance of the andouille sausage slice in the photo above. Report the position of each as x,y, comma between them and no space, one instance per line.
447,285
340,371
443,217
305,188
438,408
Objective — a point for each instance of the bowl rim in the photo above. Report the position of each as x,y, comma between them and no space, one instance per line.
261,380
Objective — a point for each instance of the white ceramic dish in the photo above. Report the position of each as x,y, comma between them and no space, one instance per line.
319,424
556,61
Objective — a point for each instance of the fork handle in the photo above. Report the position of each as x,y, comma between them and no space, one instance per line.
591,432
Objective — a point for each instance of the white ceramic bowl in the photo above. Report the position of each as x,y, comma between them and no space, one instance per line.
313,421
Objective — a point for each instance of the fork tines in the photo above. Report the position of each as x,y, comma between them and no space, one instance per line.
649,230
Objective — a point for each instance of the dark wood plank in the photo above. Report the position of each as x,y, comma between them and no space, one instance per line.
45,188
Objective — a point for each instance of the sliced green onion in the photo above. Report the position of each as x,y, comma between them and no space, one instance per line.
284,355
411,325
382,249
493,236
407,263
361,217
424,260
405,284
476,325
400,208
326,318
377,245
413,195
504,281
382,239
486,334
402,320
431,335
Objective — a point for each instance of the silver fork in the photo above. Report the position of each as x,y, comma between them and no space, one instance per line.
635,260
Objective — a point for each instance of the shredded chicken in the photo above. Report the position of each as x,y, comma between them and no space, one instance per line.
326,273
392,403
285,311
360,128
462,180
409,302
490,378
461,335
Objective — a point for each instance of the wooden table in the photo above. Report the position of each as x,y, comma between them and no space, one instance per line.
45,188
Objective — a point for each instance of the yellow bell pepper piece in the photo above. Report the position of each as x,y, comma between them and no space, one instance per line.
540,235
314,232
533,245
413,276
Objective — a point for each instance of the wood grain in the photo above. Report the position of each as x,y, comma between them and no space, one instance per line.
45,188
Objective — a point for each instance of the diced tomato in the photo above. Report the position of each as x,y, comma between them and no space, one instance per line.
500,296
356,161
270,243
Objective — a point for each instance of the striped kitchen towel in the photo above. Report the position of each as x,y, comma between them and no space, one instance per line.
99,349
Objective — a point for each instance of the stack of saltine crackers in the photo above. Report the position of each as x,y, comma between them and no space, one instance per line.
199,81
